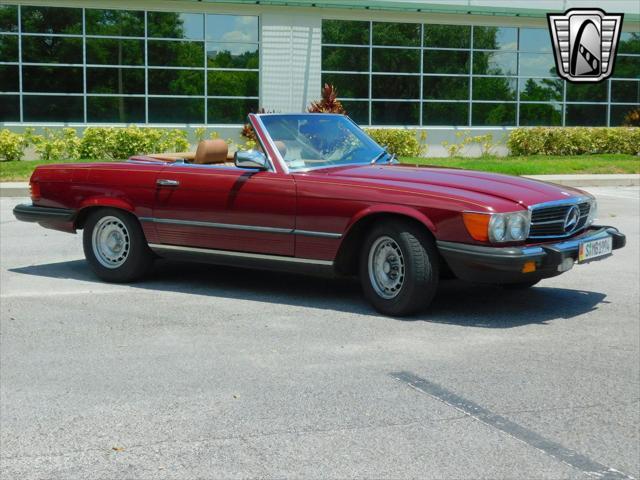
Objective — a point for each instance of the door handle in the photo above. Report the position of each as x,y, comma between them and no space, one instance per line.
163,182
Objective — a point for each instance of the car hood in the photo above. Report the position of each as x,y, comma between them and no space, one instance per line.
523,191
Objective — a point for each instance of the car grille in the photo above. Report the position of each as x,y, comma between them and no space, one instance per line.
548,222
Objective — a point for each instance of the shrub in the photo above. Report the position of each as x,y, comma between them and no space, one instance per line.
120,143
401,141
574,140
454,149
56,144
329,102
12,145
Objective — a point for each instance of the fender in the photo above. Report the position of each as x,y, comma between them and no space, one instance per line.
106,202
392,209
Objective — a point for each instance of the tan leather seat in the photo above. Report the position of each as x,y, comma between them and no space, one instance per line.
282,147
211,151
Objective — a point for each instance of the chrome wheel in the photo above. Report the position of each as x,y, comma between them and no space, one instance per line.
111,242
386,267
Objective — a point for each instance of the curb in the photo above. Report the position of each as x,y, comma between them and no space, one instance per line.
582,180
21,189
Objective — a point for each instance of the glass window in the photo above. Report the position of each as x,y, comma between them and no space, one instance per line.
537,65
493,114
390,86
587,92
8,18
535,40
40,108
115,109
233,55
52,79
446,61
175,25
115,80
230,111
446,88
396,34
494,63
495,38
447,36
166,53
9,108
345,32
348,85
395,113
9,81
439,113
120,23
587,115
497,88
345,59
396,60
51,49
232,84
541,89
625,91
232,28
627,67
629,43
619,114
357,111
532,114
8,48
176,82
176,110
111,51
52,20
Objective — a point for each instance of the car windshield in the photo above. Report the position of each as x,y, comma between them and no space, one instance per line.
317,140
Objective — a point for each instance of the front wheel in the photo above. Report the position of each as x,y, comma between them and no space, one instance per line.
399,268
115,247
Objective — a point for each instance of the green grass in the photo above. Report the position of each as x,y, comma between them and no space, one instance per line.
533,165
539,164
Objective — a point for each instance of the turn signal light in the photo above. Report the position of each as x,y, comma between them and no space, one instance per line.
529,267
34,188
477,225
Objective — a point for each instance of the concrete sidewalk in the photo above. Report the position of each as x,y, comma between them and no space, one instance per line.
21,189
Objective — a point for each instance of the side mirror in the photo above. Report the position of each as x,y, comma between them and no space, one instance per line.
251,159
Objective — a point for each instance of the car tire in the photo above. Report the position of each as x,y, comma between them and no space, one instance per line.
115,246
519,285
399,268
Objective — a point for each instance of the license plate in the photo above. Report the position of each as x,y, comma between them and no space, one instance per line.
595,249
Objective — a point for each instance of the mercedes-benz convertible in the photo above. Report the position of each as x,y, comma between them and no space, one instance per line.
317,193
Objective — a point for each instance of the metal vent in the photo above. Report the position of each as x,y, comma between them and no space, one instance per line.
549,222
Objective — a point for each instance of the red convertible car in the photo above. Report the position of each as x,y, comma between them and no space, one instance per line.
319,193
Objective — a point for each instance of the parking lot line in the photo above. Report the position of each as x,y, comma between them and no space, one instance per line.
537,441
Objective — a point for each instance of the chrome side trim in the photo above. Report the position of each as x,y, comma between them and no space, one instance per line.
231,226
228,253
309,233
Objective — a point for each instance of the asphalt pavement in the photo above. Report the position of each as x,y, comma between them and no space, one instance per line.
211,372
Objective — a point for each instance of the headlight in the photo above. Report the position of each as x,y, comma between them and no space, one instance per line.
593,212
498,227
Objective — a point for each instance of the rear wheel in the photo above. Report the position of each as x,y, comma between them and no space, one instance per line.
399,268
115,247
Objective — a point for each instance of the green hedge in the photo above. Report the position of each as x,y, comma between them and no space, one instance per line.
574,140
96,143
401,141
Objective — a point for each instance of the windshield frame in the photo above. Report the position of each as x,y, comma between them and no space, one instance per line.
275,153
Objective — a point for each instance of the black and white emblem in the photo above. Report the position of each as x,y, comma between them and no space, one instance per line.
585,43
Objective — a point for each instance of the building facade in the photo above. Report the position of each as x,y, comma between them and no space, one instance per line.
437,65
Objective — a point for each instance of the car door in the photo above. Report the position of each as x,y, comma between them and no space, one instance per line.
225,208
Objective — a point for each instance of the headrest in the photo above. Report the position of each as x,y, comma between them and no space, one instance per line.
211,151
282,148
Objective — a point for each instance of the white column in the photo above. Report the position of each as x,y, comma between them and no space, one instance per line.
290,63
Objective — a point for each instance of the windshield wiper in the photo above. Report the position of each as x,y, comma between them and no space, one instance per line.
392,157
